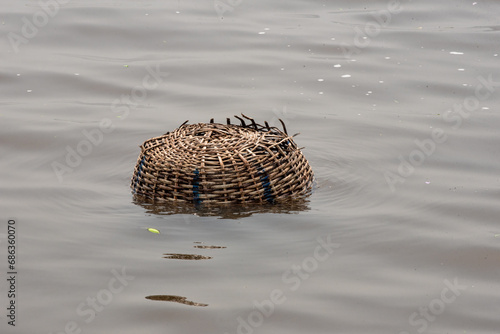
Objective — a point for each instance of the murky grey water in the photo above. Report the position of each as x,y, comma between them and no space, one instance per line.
397,106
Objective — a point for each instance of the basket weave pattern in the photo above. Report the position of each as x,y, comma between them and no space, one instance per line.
222,163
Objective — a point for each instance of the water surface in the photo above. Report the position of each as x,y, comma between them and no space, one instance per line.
397,106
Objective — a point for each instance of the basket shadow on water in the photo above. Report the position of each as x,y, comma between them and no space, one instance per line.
210,165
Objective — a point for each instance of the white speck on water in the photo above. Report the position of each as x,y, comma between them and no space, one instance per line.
485,108
427,182
29,90
282,68
456,53
177,12
461,69
321,79
320,93
333,38
18,74
387,57
267,29
346,76
262,33
337,65
146,14
381,81
77,73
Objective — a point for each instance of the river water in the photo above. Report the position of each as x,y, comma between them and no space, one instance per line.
397,108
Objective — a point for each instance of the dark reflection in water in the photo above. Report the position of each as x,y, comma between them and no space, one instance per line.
186,257
224,211
208,247
175,299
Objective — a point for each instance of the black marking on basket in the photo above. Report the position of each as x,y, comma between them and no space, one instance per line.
139,172
196,187
268,191
285,145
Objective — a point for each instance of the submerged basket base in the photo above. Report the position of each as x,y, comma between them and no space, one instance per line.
224,211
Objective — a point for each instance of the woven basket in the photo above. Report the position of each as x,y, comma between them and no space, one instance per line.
222,163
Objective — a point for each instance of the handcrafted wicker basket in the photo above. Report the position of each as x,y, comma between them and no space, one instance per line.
222,163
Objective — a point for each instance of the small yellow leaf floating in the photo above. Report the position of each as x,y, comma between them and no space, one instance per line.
153,230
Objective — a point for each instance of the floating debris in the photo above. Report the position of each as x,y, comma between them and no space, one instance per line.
209,247
186,257
175,299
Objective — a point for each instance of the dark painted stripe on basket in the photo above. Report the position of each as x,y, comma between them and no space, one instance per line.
139,172
268,191
196,187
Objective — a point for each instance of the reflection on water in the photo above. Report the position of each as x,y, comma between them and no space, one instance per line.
224,211
208,247
186,256
176,299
